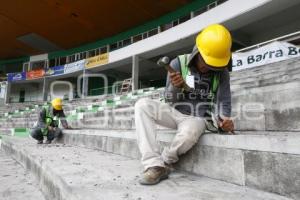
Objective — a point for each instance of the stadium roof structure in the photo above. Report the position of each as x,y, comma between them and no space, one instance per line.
41,26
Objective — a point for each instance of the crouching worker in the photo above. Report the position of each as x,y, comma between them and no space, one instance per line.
48,121
191,112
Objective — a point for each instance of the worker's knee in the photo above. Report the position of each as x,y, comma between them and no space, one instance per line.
33,132
141,104
191,138
145,105
193,129
36,133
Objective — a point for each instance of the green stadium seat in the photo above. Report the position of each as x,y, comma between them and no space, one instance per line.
20,132
93,108
72,117
108,103
81,109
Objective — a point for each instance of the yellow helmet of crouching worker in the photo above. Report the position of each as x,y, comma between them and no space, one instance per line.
57,103
214,44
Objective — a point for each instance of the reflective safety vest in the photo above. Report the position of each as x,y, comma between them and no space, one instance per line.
212,122
185,71
50,119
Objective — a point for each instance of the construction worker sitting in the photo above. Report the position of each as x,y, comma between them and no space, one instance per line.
48,121
191,112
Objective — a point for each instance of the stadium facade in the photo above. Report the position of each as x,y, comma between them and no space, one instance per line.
81,70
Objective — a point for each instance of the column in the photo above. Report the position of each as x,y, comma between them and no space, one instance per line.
85,84
45,89
135,72
7,92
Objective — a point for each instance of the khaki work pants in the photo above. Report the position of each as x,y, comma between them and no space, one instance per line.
148,113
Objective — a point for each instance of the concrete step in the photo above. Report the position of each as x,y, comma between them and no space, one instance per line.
274,107
73,173
15,182
27,115
5,131
8,125
264,72
268,108
265,81
22,119
268,161
278,67
271,108
105,123
267,104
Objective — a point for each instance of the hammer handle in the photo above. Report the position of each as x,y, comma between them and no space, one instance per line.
171,70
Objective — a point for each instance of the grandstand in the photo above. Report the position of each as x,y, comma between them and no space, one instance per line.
102,80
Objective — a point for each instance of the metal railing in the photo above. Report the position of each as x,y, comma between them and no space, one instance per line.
287,38
135,38
100,91
31,98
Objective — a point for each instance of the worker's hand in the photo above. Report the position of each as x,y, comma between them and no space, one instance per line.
50,128
177,79
226,124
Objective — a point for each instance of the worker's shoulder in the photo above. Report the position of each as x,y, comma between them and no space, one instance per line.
43,109
225,72
224,75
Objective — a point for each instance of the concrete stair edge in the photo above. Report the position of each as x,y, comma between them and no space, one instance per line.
214,159
268,141
52,186
56,187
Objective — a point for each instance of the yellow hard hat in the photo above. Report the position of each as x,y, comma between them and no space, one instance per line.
214,44
57,103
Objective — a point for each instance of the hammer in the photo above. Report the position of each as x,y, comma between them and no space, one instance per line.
165,62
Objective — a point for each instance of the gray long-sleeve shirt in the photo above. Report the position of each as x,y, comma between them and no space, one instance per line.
41,123
197,103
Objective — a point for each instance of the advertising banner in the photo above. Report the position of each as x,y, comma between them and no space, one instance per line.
11,77
53,71
75,66
96,60
34,74
273,52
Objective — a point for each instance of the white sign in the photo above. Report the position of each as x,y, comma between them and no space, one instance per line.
2,89
273,52
40,57
190,81
75,66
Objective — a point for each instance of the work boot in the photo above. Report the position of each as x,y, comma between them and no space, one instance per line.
154,175
170,167
40,142
48,142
